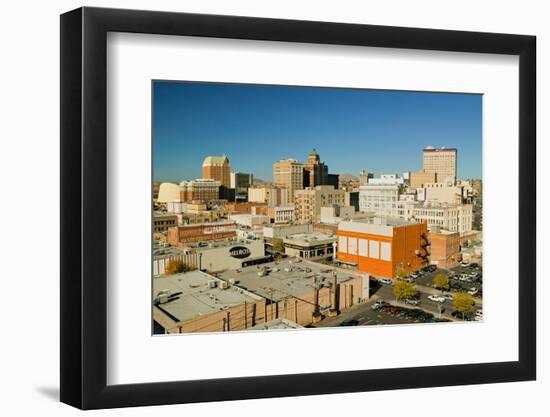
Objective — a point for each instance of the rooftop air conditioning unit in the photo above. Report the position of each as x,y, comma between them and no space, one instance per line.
224,285
212,284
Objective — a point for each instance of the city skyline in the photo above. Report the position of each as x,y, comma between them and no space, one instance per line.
392,127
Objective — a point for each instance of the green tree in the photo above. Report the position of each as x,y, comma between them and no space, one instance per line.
403,289
402,273
441,282
463,303
278,245
175,266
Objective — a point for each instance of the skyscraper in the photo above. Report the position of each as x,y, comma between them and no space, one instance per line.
316,171
441,161
217,168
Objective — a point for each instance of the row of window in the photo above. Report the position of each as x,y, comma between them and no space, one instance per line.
365,247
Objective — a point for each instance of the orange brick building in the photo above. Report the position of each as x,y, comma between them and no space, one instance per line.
445,249
182,235
381,246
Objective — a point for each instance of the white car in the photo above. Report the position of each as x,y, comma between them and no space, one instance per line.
385,281
436,298
448,297
472,291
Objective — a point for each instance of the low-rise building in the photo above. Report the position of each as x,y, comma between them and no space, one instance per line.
280,231
250,220
272,196
199,302
310,245
445,249
187,234
450,217
379,246
281,214
418,179
162,221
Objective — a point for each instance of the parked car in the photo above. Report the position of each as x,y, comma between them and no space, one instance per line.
385,281
412,301
436,298
472,291
448,297
378,305
351,322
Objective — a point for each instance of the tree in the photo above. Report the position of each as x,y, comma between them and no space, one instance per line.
175,266
278,245
401,273
463,303
441,282
403,289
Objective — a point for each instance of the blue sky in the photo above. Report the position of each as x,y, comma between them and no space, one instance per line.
352,129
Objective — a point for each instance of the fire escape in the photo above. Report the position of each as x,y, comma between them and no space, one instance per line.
424,251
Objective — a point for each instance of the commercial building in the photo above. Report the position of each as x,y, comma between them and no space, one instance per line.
289,174
299,290
380,246
162,221
316,172
281,214
364,177
450,217
240,182
308,203
249,207
440,161
310,245
280,231
217,168
199,302
334,214
168,192
202,189
187,234
445,193
250,220
445,248
387,179
418,179
271,196
379,199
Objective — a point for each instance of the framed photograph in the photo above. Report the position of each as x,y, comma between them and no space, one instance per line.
261,208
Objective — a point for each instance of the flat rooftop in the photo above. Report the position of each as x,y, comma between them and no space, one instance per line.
193,296
277,324
221,243
310,239
287,277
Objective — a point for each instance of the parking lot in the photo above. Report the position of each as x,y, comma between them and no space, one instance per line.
364,315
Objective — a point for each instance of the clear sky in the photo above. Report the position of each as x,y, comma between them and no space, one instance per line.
352,129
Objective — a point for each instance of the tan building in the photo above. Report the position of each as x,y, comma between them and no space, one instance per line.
162,221
202,189
445,249
271,196
450,217
441,161
444,193
281,214
217,168
289,174
308,203
418,179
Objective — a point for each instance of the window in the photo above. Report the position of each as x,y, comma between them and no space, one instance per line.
374,249
363,251
385,251
342,244
352,246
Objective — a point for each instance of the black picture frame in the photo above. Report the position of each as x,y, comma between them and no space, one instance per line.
84,207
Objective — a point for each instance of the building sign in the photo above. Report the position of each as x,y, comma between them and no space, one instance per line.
239,252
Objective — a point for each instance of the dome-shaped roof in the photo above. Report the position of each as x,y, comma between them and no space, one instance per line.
313,152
